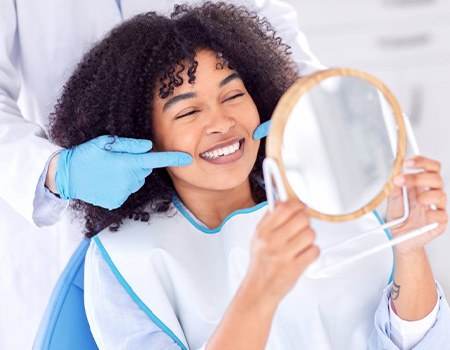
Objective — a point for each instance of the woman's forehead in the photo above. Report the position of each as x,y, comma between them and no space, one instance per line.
209,62
208,67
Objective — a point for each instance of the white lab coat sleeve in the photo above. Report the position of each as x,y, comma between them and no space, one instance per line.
435,337
48,208
284,19
24,147
116,321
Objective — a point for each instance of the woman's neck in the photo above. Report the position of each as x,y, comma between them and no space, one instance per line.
212,207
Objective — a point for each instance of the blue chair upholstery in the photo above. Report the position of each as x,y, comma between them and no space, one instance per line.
65,325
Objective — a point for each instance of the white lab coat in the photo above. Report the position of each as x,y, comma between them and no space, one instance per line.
41,42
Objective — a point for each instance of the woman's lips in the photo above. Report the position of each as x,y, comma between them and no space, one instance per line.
226,159
222,145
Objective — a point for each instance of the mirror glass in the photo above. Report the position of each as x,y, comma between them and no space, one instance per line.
339,145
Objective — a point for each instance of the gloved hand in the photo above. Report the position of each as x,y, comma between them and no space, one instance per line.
262,130
106,170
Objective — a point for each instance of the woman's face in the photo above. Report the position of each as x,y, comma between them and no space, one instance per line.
213,120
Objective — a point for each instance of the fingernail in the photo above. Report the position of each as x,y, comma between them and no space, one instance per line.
409,163
399,180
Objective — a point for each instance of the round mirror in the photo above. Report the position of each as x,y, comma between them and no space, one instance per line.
339,140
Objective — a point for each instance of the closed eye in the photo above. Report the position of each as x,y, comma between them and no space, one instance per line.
186,114
234,96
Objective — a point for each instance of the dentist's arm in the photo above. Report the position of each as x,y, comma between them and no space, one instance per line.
24,147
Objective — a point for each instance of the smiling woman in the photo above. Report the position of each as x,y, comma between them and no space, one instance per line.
213,120
201,76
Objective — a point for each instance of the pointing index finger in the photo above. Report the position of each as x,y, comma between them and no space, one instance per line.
152,160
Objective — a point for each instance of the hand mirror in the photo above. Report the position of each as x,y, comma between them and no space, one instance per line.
337,140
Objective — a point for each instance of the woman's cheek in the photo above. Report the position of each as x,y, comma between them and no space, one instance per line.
189,174
181,139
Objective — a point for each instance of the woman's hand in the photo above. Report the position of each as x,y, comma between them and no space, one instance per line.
413,294
425,189
282,248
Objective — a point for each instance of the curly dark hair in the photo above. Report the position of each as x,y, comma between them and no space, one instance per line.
110,91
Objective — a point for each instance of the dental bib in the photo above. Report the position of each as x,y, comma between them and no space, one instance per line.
184,276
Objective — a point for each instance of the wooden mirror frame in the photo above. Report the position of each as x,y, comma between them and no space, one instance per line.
287,104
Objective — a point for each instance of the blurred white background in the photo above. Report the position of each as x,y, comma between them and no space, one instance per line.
406,44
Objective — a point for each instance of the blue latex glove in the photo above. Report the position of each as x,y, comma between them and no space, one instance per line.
262,130
106,170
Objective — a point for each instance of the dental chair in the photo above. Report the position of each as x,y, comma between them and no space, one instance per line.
65,326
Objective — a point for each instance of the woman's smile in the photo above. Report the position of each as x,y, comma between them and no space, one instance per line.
225,153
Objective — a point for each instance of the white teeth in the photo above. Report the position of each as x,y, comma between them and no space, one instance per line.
224,151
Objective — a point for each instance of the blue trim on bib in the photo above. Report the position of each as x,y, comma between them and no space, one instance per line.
177,203
389,235
133,295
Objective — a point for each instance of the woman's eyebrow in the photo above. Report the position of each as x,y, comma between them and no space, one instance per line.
178,98
187,95
229,78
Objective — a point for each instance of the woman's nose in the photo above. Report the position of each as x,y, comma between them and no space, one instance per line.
220,123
